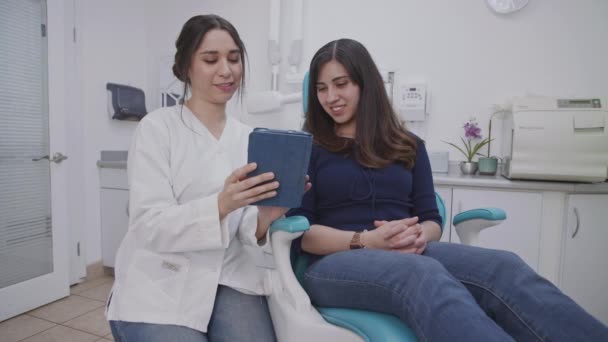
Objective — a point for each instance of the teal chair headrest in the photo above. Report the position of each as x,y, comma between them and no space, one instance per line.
305,92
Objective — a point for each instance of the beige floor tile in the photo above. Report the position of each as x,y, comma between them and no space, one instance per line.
20,327
93,322
66,309
62,334
100,292
109,337
89,284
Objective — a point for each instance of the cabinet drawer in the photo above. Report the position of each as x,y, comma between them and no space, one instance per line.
113,178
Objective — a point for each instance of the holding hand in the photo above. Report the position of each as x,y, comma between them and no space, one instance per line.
240,191
268,214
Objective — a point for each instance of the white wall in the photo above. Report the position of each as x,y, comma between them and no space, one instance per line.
470,58
111,36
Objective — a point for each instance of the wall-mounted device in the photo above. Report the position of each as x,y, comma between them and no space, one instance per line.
412,101
126,102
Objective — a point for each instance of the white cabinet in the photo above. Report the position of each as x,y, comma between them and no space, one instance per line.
583,273
114,222
519,233
114,199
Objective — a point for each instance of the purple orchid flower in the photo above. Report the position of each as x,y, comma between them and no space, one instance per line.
469,148
471,131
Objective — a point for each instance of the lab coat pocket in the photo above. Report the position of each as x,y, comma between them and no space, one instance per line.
266,260
161,277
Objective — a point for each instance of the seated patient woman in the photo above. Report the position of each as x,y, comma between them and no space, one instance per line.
186,269
375,226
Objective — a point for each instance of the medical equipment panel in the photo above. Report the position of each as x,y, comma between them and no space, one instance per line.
557,139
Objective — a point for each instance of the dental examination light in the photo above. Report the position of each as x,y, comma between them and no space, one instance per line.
273,99
506,6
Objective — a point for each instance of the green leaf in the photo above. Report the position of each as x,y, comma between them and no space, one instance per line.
480,145
469,155
458,148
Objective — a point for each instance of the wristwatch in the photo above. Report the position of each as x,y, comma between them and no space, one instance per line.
355,242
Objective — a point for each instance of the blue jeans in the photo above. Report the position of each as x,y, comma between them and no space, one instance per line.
236,317
453,293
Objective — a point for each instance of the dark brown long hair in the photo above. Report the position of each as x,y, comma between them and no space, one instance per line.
191,37
380,138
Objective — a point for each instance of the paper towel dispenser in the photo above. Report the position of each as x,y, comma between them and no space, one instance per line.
126,102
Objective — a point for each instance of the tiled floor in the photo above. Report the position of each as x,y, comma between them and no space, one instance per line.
77,318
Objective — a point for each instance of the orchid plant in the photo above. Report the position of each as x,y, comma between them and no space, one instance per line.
472,133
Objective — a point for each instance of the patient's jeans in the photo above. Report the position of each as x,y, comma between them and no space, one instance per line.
453,293
236,317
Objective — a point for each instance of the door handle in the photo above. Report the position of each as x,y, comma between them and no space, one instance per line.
57,158
578,223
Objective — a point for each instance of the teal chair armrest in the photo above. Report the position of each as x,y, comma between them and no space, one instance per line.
490,214
371,326
470,223
294,224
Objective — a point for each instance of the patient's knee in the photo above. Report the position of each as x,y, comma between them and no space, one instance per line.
509,261
421,266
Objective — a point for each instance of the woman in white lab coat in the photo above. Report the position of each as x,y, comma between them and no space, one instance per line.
191,266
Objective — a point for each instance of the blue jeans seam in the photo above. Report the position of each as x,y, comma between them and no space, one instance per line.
421,338
504,303
120,333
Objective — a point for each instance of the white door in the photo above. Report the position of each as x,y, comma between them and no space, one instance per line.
519,233
33,232
584,275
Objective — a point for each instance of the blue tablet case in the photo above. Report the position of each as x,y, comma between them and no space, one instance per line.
287,154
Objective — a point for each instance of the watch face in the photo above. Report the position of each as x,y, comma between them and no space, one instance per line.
506,6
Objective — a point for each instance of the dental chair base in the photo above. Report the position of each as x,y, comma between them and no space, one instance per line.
294,318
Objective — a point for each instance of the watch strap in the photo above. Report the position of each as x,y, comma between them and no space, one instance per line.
355,242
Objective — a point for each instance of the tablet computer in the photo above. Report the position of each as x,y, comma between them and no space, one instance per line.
286,154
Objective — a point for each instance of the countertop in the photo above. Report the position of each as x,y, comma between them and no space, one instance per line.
455,178
118,160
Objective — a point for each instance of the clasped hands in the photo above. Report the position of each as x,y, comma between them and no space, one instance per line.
405,236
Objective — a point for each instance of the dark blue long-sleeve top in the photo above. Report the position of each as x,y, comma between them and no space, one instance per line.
348,196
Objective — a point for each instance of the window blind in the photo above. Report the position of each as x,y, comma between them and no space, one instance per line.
25,216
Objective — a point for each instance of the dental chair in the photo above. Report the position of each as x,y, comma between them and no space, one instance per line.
294,317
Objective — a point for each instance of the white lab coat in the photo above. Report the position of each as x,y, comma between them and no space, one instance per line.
176,250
